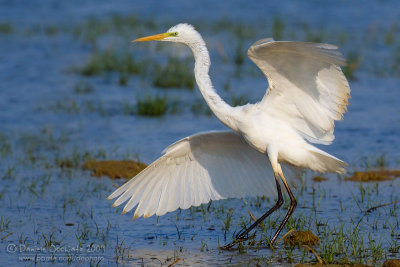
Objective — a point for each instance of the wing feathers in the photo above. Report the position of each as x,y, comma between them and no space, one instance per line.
163,205
196,169
307,88
146,197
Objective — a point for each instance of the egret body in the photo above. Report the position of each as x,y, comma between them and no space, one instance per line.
307,93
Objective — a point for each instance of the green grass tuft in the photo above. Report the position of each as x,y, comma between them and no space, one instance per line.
175,74
152,106
111,61
5,146
94,28
278,28
6,28
123,79
239,100
316,36
82,87
91,30
240,54
51,30
199,107
353,62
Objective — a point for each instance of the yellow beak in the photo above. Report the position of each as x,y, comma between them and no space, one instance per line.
152,37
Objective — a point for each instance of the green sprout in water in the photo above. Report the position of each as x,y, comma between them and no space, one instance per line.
353,62
175,74
83,87
6,28
278,27
111,61
239,100
151,106
199,107
240,55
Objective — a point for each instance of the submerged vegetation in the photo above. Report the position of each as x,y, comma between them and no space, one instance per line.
6,28
353,63
200,107
83,87
175,74
152,106
278,27
147,105
239,100
111,61
94,28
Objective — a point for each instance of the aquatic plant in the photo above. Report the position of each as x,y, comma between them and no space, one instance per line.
9,173
152,106
74,160
239,100
395,66
111,61
66,105
5,146
390,36
6,28
93,28
278,27
123,79
353,62
175,74
51,30
240,54
83,87
199,107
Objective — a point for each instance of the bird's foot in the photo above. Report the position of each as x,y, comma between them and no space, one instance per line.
239,239
230,245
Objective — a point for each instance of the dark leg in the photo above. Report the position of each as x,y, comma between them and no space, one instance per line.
278,204
293,204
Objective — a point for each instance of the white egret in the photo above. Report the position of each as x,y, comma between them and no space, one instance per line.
307,93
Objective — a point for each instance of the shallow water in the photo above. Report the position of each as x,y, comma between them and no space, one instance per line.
55,210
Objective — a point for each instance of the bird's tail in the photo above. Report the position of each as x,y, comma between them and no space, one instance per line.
324,162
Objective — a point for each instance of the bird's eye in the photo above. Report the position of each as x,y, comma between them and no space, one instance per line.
173,34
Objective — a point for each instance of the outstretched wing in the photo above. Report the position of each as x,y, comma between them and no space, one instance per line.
197,169
307,88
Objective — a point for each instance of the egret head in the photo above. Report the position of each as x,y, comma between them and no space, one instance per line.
181,33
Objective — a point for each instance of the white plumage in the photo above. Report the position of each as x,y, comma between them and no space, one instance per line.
197,169
307,89
307,93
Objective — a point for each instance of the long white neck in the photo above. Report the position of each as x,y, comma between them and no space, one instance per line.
224,112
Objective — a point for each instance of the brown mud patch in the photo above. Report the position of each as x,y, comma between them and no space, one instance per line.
319,179
330,265
113,168
301,238
374,176
392,263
